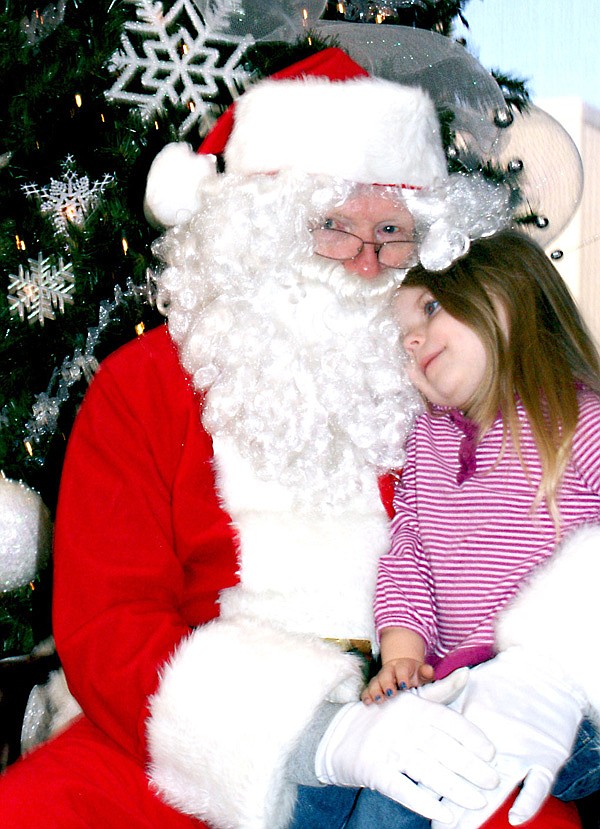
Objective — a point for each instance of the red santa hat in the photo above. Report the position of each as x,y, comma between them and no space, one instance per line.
323,115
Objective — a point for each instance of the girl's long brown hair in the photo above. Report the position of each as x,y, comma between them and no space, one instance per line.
547,353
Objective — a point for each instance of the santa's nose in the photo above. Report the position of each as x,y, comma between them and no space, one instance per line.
365,265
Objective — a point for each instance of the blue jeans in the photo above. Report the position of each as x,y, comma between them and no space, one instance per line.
333,807
580,776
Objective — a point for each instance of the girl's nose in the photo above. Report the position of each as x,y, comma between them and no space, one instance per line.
366,264
412,339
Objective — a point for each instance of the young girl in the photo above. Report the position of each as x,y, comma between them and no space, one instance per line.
504,462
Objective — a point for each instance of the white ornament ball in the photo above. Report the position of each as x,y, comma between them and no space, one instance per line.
25,534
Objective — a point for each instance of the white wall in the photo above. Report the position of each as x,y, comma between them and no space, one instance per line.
580,241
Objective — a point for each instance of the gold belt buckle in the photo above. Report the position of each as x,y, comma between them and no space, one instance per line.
361,645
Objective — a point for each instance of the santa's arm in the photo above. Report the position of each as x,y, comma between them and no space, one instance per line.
220,737
530,699
555,615
119,600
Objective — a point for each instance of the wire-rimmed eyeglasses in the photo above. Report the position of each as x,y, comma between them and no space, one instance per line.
332,243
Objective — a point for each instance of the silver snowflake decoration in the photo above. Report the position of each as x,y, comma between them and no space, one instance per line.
183,56
36,294
68,200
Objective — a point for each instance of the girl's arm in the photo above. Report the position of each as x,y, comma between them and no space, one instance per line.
403,597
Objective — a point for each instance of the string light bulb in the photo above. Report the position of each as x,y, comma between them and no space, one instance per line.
70,213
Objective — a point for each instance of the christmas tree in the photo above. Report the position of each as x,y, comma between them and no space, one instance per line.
80,128
91,91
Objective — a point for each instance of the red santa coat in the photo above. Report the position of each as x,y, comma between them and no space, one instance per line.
143,549
142,546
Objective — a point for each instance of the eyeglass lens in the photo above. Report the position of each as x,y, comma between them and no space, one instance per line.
339,244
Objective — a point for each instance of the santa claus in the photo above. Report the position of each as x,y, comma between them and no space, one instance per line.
221,510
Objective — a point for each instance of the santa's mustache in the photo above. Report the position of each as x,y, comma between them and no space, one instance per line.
350,286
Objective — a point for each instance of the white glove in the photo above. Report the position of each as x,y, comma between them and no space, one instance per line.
406,740
531,712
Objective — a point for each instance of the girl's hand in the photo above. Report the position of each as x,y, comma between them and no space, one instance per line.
396,675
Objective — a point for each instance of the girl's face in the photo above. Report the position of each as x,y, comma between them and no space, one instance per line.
448,358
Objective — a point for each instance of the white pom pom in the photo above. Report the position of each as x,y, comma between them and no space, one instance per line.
173,183
25,534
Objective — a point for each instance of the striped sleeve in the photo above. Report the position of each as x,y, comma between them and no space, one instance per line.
404,594
586,442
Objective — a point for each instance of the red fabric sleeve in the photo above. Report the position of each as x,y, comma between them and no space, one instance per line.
142,547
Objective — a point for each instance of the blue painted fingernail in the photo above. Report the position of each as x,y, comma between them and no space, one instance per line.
378,697
389,692
403,686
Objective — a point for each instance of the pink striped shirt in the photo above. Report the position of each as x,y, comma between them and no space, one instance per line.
460,551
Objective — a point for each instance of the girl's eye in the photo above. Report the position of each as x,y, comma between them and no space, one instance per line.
431,307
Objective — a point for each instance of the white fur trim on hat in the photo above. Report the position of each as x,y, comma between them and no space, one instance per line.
365,130
555,614
231,705
172,188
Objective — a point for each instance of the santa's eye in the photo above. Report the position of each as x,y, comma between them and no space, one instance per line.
392,233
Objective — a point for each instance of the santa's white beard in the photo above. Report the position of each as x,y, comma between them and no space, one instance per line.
304,373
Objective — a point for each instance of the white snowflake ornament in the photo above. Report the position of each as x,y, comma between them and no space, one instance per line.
36,294
183,55
68,200
25,534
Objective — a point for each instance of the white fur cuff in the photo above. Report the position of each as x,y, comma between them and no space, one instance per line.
229,710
